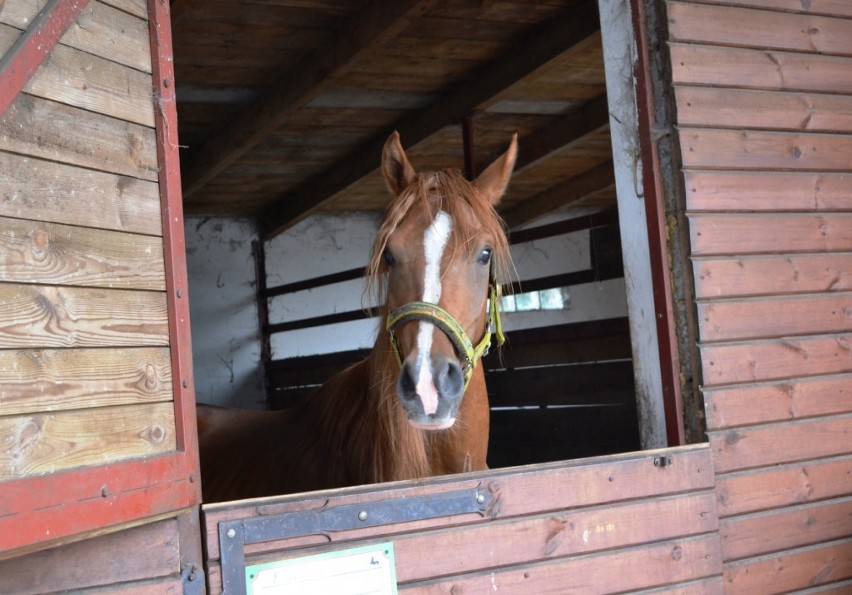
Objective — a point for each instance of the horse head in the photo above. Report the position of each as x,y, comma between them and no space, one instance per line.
443,252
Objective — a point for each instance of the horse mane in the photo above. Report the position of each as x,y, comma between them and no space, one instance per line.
471,211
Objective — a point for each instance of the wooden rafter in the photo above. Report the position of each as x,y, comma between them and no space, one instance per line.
540,46
378,21
573,190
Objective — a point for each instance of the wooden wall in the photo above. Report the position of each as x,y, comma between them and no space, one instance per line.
148,563
97,436
81,252
764,104
611,524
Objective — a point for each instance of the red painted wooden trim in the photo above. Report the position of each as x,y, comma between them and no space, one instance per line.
655,217
174,245
25,56
52,507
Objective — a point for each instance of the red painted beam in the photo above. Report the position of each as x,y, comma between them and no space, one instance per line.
655,219
25,56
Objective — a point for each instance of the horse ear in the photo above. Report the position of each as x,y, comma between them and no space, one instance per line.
494,180
395,165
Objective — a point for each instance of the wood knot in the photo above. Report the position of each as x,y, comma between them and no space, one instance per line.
156,434
40,244
151,379
677,553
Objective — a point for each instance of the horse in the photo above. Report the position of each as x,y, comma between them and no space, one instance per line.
417,406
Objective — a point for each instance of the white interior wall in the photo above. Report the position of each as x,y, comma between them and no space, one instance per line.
223,311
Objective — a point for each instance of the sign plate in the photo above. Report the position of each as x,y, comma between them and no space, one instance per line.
357,571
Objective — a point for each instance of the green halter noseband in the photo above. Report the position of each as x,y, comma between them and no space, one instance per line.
433,313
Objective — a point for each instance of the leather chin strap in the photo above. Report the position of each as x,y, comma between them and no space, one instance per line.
433,313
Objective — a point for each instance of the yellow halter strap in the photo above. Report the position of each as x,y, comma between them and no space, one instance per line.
444,320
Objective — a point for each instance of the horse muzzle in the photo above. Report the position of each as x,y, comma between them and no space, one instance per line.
431,391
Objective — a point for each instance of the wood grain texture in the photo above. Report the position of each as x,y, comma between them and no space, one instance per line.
47,191
799,569
546,488
775,316
49,130
657,565
778,530
100,30
584,531
596,511
51,380
778,443
50,442
783,485
772,274
766,191
34,252
35,316
737,234
826,7
774,110
755,69
750,149
745,27
776,359
88,564
83,80
777,401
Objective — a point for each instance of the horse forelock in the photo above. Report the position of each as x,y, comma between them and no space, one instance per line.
471,212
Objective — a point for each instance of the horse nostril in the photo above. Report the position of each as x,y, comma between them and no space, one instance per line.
408,381
451,381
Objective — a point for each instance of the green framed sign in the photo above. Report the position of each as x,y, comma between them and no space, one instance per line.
368,569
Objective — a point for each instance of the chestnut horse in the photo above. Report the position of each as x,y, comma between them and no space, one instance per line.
417,406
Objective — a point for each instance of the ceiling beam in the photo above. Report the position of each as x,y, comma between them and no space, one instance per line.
532,51
377,22
562,132
601,177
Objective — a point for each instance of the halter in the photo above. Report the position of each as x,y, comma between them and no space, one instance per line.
433,313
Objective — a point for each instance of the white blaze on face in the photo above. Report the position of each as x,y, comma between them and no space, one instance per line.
434,243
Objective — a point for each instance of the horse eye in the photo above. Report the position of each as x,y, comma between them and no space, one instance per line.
484,256
389,259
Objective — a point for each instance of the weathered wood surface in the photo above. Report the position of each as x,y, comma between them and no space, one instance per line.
33,381
49,442
776,359
794,570
764,92
776,316
735,234
772,274
818,7
151,551
84,80
100,30
36,316
37,252
745,27
709,190
593,513
755,69
49,130
777,401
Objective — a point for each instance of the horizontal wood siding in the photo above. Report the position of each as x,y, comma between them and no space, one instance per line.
85,565
588,526
91,440
764,103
